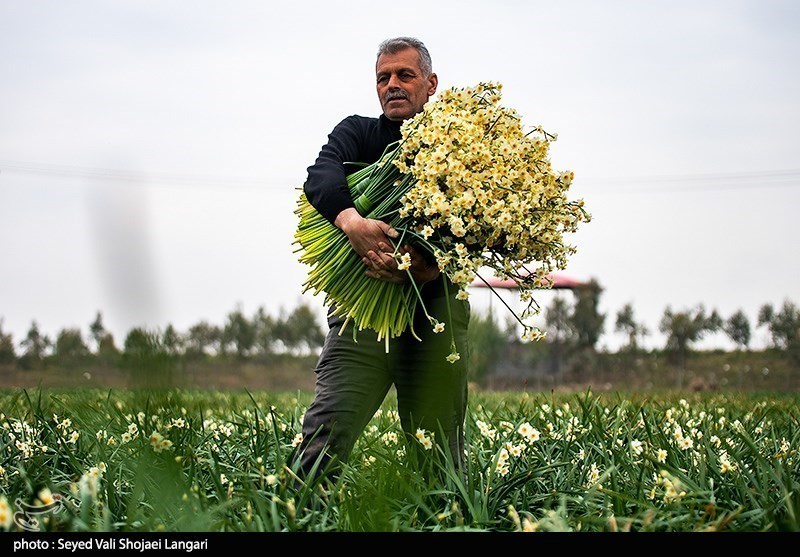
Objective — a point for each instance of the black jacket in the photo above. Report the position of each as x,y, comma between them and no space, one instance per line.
356,139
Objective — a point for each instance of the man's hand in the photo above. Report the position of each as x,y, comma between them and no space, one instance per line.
364,234
370,239
382,265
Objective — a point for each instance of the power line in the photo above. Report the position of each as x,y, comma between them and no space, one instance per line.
727,176
150,178
642,184
702,182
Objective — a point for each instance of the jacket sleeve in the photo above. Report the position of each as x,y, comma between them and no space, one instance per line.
326,186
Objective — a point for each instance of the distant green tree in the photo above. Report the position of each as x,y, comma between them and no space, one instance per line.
97,331
107,351
627,324
264,325
557,320
70,347
282,332
587,321
784,326
139,341
238,334
105,348
7,353
146,357
172,340
560,332
737,327
684,328
715,322
300,330
487,343
35,347
202,339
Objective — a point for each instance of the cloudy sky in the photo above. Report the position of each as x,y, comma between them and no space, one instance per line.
151,151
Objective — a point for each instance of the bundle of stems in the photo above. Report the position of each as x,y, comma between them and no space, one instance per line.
337,270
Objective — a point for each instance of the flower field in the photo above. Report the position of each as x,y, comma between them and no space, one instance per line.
93,460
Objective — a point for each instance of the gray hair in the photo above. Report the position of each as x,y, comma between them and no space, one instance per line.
393,46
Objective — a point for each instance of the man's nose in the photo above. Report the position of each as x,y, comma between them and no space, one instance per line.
394,82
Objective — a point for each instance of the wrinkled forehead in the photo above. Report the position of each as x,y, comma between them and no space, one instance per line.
401,59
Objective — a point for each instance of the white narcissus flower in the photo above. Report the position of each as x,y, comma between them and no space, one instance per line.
45,496
525,429
405,262
156,440
389,438
424,439
5,513
594,474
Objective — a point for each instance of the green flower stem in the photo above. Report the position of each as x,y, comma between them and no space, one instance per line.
449,312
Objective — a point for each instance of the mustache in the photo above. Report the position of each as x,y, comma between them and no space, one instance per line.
396,94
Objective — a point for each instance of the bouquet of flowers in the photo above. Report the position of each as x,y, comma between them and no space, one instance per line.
466,184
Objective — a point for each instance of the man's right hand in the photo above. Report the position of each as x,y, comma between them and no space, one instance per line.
365,235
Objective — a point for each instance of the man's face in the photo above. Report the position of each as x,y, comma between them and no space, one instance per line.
402,88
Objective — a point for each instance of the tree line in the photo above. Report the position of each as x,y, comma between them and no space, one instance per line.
573,328
296,332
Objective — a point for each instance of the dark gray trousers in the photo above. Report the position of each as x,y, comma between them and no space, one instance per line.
354,377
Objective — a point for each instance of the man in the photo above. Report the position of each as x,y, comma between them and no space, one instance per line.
353,378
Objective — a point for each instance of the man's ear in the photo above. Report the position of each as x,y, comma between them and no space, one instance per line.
433,83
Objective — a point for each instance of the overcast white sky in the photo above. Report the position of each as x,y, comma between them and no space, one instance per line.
150,151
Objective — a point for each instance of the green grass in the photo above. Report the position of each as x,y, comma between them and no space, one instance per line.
590,462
